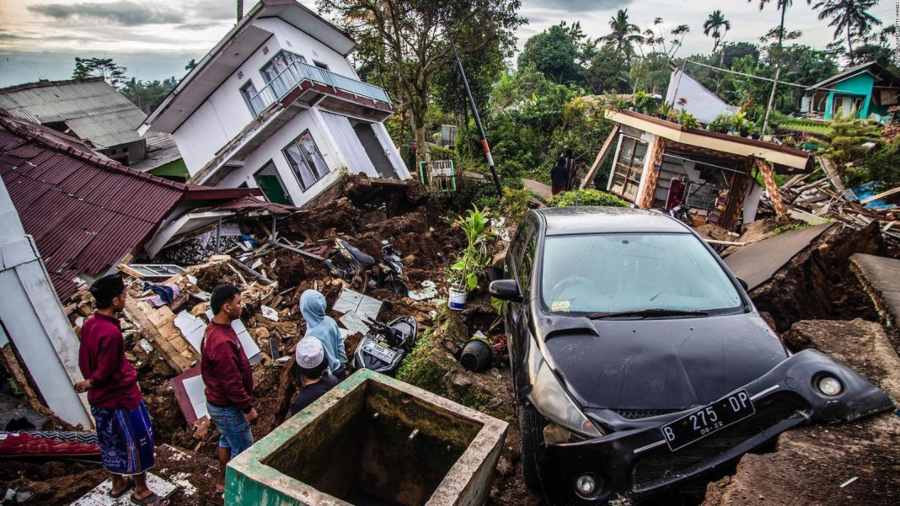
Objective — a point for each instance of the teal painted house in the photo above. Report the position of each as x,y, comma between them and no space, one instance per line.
867,91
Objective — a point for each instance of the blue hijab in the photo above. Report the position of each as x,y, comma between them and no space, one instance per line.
324,328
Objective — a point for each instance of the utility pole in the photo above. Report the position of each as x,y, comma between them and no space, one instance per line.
484,142
240,10
765,128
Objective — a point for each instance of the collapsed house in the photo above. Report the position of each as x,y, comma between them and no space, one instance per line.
663,165
94,112
277,105
73,216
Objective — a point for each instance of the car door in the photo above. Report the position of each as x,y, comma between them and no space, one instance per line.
519,319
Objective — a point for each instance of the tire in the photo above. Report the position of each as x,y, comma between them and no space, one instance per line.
531,428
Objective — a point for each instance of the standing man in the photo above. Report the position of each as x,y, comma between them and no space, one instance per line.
561,173
228,378
315,380
124,430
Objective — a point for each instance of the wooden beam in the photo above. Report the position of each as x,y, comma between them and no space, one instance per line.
11,362
833,174
772,188
607,144
647,192
880,196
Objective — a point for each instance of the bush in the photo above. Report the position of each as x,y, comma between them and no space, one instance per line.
587,198
721,125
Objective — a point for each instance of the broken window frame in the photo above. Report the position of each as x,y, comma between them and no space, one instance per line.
306,160
252,98
281,72
626,165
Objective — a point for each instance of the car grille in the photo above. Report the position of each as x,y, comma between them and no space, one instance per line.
635,414
663,465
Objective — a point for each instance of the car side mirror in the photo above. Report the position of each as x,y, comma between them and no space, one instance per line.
506,289
744,284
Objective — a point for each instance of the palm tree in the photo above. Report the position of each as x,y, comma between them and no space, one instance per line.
783,5
848,16
715,23
624,34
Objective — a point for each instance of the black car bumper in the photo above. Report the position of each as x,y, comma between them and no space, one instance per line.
635,459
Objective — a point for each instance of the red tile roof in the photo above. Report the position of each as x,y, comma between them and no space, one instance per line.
85,212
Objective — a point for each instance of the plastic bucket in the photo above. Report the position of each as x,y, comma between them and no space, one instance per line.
457,299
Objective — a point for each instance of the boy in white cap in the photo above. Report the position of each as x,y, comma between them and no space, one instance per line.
315,380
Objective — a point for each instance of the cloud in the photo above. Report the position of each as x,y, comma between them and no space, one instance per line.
578,5
217,9
12,36
198,26
123,12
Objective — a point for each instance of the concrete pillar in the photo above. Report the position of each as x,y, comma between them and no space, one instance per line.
650,174
772,188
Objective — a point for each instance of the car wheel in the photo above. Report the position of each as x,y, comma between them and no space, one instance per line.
531,427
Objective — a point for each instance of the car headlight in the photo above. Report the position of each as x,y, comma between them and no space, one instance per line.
551,400
829,385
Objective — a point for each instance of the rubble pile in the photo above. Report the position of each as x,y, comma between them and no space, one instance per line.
287,259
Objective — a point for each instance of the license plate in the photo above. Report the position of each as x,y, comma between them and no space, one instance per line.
708,420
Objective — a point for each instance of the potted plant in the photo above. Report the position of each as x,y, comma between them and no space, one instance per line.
464,272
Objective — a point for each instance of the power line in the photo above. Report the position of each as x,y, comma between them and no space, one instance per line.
761,78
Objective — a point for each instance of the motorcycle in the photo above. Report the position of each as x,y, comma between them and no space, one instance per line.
384,347
351,263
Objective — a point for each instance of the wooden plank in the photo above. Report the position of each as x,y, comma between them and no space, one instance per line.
20,376
880,196
833,175
607,144
138,313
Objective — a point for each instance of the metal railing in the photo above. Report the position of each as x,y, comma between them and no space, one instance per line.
297,72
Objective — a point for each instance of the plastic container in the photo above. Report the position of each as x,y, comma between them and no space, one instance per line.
476,356
457,299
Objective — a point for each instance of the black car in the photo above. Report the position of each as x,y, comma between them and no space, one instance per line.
639,361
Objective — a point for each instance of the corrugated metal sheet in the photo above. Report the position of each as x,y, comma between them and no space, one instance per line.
94,110
84,212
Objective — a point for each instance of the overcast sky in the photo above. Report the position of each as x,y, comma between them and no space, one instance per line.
155,38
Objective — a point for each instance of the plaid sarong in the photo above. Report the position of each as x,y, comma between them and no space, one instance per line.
125,438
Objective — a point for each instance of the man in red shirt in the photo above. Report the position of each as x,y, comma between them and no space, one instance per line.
124,430
228,378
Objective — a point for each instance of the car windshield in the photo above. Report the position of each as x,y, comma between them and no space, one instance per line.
621,273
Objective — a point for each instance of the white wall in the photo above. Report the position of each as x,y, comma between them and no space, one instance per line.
271,150
224,114
34,320
702,103
297,41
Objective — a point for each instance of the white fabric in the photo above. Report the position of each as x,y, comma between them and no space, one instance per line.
349,144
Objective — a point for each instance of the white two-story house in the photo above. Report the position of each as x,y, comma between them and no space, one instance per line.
277,105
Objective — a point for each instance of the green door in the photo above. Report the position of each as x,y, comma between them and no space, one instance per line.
271,186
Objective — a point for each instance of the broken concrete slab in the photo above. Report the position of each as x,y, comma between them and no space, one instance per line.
816,283
372,437
99,496
880,278
758,262
852,463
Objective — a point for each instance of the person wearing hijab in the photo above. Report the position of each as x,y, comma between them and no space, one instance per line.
325,329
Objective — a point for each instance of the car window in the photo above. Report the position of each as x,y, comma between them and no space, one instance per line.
526,266
602,273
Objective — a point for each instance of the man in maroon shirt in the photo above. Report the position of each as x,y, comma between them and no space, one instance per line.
228,378
124,430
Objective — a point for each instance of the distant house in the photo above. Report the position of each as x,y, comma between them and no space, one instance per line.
687,94
277,105
89,109
864,91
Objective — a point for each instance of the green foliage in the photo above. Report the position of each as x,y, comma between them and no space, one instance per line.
722,124
558,53
883,165
608,72
847,139
106,68
687,120
147,95
470,264
514,204
587,198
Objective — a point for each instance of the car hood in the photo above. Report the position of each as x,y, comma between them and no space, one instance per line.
667,364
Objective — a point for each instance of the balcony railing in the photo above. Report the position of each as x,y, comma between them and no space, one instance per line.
298,72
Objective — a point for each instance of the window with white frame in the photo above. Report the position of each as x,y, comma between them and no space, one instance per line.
306,160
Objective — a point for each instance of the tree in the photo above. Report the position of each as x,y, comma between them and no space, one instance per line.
147,95
408,42
655,38
608,72
624,35
558,52
783,6
190,65
715,24
100,67
849,17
